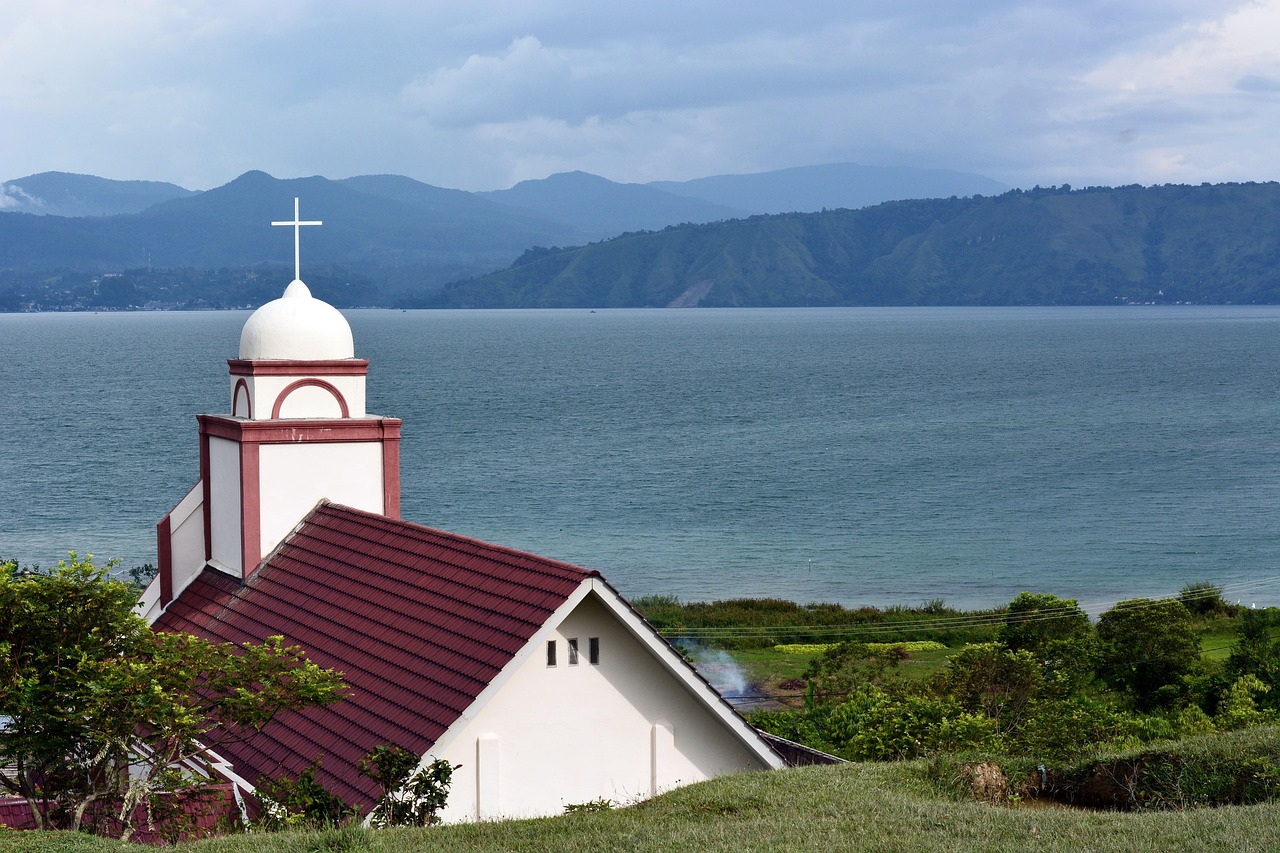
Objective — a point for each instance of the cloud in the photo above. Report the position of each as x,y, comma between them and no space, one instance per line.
483,94
522,82
12,197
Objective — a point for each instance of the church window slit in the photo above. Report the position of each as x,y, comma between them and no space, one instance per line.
573,651
593,651
551,652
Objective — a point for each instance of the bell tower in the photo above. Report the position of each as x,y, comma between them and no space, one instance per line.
297,433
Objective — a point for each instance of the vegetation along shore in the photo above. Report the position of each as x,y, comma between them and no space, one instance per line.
957,728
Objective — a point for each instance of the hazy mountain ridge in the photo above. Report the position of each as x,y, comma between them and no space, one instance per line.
66,194
391,235
600,208
1215,244
390,240
835,185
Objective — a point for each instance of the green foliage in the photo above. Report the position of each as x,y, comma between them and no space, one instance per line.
300,802
842,669
88,688
1063,726
1239,708
412,794
992,680
1203,598
1055,631
1258,653
821,648
598,805
761,623
1146,646
1238,768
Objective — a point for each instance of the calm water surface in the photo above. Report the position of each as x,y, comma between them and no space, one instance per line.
855,455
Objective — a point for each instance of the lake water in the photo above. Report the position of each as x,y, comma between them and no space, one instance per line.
874,456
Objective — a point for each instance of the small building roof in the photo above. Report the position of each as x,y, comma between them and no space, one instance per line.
418,620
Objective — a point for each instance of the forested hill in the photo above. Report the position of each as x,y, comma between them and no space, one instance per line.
1098,246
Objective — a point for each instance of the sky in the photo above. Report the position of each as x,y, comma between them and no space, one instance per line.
479,95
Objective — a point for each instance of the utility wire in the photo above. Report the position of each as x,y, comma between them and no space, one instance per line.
979,620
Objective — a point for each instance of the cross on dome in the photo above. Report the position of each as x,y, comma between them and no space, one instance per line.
297,247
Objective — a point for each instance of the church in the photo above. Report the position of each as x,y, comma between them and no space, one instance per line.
533,676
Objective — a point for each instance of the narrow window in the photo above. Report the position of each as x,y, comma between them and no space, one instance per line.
573,651
551,652
593,651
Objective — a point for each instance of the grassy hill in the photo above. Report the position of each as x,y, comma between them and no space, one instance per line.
865,807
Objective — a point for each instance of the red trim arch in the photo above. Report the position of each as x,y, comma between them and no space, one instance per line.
235,400
303,383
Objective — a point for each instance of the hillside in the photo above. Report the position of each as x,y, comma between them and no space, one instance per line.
871,807
1099,246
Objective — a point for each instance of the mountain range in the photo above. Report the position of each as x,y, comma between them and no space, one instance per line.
1056,246
717,241
82,222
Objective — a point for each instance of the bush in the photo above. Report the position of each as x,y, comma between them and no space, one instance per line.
1146,647
1237,768
299,803
1204,598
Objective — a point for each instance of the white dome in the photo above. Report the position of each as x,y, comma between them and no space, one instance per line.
296,327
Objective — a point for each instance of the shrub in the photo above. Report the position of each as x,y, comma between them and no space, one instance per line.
1236,768
1146,647
412,795
993,680
1203,598
1055,631
302,802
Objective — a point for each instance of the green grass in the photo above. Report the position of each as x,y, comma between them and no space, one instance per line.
874,807
770,669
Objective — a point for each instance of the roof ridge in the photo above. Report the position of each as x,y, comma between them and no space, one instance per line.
448,536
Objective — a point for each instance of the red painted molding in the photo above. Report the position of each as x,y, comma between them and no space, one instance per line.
309,383
248,399
302,429
207,489
290,367
164,559
391,476
250,509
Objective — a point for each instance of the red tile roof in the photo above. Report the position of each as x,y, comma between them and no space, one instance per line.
418,620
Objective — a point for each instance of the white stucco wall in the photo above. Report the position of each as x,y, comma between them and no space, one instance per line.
293,477
186,538
305,402
551,736
224,500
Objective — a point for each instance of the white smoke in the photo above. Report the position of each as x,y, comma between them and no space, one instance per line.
718,667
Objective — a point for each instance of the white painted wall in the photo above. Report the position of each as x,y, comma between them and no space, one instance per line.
186,538
224,499
311,402
551,736
294,477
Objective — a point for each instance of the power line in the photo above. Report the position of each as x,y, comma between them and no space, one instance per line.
970,621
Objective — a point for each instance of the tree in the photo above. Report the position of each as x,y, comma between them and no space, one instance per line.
993,680
1257,653
102,712
1056,632
1147,645
845,667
